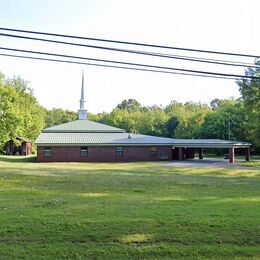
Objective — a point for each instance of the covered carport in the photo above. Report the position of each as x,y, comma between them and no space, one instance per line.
186,148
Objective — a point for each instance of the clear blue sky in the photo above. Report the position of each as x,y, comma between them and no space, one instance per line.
230,26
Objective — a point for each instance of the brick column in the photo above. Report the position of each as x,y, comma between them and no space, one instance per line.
200,153
180,154
232,155
247,154
189,153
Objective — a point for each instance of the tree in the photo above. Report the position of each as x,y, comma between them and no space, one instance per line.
122,118
130,105
229,113
172,124
187,118
215,103
58,116
20,113
153,121
250,91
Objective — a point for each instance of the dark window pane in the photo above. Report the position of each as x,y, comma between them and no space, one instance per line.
47,151
154,151
119,152
83,151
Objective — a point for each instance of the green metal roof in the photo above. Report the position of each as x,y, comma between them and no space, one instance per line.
83,126
209,143
69,139
100,139
86,132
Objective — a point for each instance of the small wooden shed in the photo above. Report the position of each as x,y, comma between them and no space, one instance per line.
25,147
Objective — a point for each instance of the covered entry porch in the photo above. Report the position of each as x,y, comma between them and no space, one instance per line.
186,148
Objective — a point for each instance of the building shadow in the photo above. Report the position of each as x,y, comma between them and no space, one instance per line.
17,159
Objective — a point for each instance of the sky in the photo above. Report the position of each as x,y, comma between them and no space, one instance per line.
220,25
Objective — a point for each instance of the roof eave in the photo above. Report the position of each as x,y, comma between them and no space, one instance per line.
83,131
108,144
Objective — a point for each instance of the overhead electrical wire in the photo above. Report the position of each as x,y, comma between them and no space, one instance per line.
117,67
131,43
132,64
152,68
155,54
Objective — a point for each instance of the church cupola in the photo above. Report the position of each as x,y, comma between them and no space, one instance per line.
82,111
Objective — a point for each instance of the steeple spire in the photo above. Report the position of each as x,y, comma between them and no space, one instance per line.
82,111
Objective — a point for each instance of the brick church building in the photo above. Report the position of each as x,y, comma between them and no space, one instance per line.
88,141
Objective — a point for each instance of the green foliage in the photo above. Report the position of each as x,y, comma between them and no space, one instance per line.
186,119
172,124
153,121
130,105
58,116
124,119
127,211
250,90
189,120
227,113
149,120
20,113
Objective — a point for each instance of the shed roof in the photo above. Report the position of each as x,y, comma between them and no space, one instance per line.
23,139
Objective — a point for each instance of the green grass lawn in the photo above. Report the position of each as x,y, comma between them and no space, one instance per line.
239,159
251,163
134,210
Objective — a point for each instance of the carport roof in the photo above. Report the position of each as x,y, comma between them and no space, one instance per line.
209,143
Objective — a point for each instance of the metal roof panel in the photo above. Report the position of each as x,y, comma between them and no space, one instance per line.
99,139
83,126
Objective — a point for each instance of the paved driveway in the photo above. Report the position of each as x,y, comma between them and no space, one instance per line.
208,163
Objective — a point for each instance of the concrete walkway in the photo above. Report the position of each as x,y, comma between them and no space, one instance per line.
208,163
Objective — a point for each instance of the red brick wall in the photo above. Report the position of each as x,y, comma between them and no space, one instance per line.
103,154
28,148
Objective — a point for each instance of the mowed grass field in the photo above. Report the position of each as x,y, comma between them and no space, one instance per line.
127,210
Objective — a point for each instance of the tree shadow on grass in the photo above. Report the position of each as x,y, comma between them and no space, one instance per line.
18,159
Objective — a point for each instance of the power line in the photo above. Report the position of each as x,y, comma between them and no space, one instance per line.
131,43
133,64
116,67
161,55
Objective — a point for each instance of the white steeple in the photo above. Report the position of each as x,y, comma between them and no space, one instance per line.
82,111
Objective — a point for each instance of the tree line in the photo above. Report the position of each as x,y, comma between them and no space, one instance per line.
221,119
235,119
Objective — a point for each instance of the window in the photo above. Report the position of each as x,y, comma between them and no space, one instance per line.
47,151
119,152
154,151
83,151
